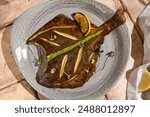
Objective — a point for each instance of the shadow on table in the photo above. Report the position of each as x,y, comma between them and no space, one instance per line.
10,61
137,52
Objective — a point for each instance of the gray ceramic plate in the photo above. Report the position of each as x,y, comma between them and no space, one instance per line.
118,41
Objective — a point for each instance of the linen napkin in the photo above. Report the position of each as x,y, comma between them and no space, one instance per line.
135,76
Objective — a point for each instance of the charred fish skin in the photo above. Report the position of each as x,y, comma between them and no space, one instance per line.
71,57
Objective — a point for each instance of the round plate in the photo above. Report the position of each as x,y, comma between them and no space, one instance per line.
102,80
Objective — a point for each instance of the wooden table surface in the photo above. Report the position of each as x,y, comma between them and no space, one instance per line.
12,83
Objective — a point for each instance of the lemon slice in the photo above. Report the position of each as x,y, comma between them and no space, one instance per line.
84,22
144,84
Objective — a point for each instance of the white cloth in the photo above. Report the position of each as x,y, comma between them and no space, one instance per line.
144,24
135,76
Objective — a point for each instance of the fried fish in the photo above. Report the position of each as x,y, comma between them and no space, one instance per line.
71,55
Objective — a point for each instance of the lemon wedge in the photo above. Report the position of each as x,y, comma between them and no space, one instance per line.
84,22
144,84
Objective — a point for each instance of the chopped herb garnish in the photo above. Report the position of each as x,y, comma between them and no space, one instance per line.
92,61
68,75
53,70
109,55
38,62
52,38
